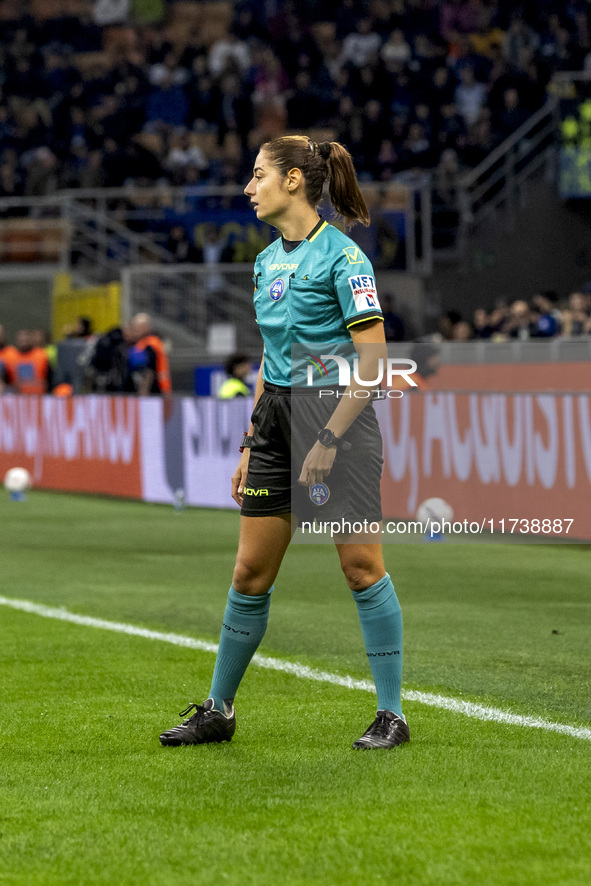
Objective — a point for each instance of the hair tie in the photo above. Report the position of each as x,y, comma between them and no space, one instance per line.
324,149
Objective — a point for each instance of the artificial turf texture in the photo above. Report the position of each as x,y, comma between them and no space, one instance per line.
89,796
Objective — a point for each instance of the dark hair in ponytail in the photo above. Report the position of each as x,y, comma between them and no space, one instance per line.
327,160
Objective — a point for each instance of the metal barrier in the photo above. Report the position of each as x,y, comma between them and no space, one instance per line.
207,308
499,181
574,349
63,233
107,229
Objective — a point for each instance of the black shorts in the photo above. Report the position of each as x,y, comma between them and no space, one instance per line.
286,424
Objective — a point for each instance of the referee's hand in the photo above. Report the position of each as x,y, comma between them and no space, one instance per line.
239,478
317,464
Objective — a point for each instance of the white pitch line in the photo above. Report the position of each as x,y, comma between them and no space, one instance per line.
456,706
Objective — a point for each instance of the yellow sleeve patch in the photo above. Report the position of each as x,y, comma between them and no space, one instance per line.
354,255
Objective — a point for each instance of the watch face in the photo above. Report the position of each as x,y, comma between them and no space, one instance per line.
326,437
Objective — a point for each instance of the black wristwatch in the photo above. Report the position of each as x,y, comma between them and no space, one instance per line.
245,443
327,438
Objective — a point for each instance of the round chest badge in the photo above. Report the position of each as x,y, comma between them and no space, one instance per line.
319,493
276,289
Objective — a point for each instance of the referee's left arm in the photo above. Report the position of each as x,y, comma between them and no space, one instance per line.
370,343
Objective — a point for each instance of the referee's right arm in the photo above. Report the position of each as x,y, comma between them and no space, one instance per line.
258,390
239,475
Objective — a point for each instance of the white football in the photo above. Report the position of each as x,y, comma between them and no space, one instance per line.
17,480
434,509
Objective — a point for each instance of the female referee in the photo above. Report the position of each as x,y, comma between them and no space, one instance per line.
313,284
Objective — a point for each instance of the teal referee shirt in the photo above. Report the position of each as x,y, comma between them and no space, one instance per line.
310,295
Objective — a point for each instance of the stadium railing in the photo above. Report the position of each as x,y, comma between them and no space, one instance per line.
555,350
193,304
62,232
108,228
501,179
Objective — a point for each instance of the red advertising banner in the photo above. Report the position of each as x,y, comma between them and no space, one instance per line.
83,444
517,448
493,457
513,377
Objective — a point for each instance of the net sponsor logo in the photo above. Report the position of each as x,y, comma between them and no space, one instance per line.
364,292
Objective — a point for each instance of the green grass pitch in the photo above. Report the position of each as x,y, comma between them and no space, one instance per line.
88,796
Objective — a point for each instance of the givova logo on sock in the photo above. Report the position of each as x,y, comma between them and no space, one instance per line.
382,654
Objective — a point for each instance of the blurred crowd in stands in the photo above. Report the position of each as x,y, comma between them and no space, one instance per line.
544,316
89,98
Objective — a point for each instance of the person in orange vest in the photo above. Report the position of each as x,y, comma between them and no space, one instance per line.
148,360
8,354
30,371
41,338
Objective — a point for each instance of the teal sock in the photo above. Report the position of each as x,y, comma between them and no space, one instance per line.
243,628
381,626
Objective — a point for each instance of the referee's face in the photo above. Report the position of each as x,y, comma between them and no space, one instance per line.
267,191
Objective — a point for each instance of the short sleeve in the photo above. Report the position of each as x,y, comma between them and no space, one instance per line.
355,284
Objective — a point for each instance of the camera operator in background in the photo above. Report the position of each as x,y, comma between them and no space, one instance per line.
106,369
